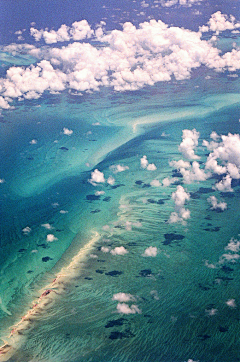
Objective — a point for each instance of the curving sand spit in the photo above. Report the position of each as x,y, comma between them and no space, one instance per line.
48,293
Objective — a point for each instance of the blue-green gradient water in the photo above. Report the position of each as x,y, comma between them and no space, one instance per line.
182,306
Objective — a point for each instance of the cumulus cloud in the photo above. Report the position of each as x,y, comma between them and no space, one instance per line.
119,250
144,161
180,214
233,245
170,3
33,142
51,238
195,173
104,249
126,309
111,180
189,143
123,297
97,177
151,167
118,168
47,226
231,303
155,183
225,184
128,59
99,193
78,31
150,251
228,152
169,181
26,230
217,205
67,132
220,22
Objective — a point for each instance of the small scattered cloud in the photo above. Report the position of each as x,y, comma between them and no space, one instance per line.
123,297
67,132
150,251
119,250
118,168
97,177
99,193
111,180
231,303
51,238
155,183
216,205
47,226
26,230
124,308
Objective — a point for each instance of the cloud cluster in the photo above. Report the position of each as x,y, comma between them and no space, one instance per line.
78,31
180,196
96,177
227,153
128,59
220,22
124,308
169,3
148,166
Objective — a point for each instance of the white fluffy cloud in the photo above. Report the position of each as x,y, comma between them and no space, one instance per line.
220,22
118,168
225,184
119,250
128,59
47,226
80,30
26,230
97,177
169,3
51,238
150,251
111,180
189,143
169,181
123,297
148,166
144,161
155,183
67,132
180,214
217,205
126,309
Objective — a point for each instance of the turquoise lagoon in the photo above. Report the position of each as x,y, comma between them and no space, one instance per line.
181,302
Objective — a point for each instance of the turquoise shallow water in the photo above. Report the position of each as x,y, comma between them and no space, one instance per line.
181,303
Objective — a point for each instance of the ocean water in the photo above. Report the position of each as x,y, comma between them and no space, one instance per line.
180,302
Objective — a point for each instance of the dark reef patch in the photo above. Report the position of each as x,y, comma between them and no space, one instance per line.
114,273
46,258
92,197
172,237
115,322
